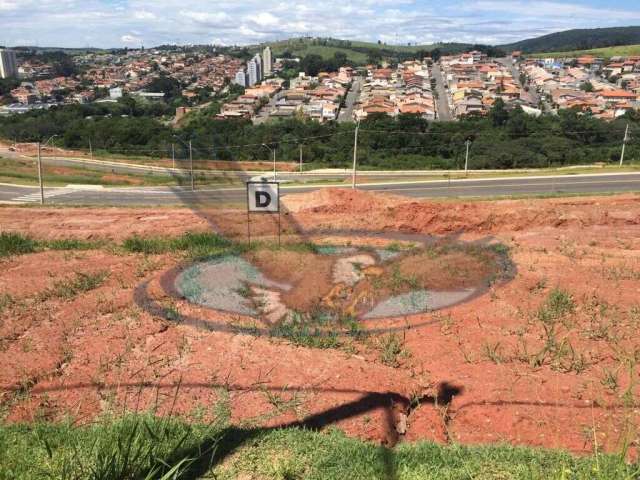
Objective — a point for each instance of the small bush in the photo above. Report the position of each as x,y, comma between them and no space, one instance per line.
391,349
558,304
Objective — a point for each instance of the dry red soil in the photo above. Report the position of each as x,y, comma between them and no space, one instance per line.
472,367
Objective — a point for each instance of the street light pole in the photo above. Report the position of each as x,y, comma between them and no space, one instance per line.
624,144
466,158
190,157
274,164
191,165
40,175
300,158
272,150
355,156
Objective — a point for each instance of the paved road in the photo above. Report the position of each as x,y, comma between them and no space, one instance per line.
444,113
531,96
346,114
263,114
569,184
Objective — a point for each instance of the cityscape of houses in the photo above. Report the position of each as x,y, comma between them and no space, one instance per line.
403,90
605,89
470,82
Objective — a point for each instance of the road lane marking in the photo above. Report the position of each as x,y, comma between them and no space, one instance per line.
35,196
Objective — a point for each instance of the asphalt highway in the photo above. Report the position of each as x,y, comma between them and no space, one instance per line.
565,184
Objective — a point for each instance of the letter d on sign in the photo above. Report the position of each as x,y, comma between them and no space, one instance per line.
263,197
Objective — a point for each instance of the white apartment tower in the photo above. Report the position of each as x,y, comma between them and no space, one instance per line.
8,64
241,78
252,71
266,61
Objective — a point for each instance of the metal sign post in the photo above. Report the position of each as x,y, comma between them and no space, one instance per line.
262,197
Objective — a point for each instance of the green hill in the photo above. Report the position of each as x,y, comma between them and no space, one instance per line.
578,39
356,51
608,52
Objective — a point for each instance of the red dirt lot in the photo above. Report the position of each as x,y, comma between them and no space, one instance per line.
498,368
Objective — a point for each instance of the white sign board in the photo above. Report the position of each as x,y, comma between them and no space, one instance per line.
263,197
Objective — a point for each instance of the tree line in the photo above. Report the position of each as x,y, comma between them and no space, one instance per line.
506,138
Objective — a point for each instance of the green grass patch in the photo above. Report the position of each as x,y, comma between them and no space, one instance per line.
313,330
70,244
299,454
71,287
6,301
12,243
146,447
16,244
132,447
391,349
195,245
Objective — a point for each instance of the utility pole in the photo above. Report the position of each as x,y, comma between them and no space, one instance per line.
466,158
355,156
300,158
274,163
624,144
90,150
173,154
191,164
272,150
40,174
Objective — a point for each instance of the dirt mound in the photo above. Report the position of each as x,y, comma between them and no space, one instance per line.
513,215
340,200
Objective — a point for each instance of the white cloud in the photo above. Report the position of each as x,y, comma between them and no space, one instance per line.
144,15
206,17
110,22
130,40
265,19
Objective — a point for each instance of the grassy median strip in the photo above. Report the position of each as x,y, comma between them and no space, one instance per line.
144,447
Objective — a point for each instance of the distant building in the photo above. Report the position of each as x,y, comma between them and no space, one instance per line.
254,69
252,72
258,61
266,61
8,64
115,93
241,78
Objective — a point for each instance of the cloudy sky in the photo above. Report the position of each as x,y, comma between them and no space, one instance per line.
117,23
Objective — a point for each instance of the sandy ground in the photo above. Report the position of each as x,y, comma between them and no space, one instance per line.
475,373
